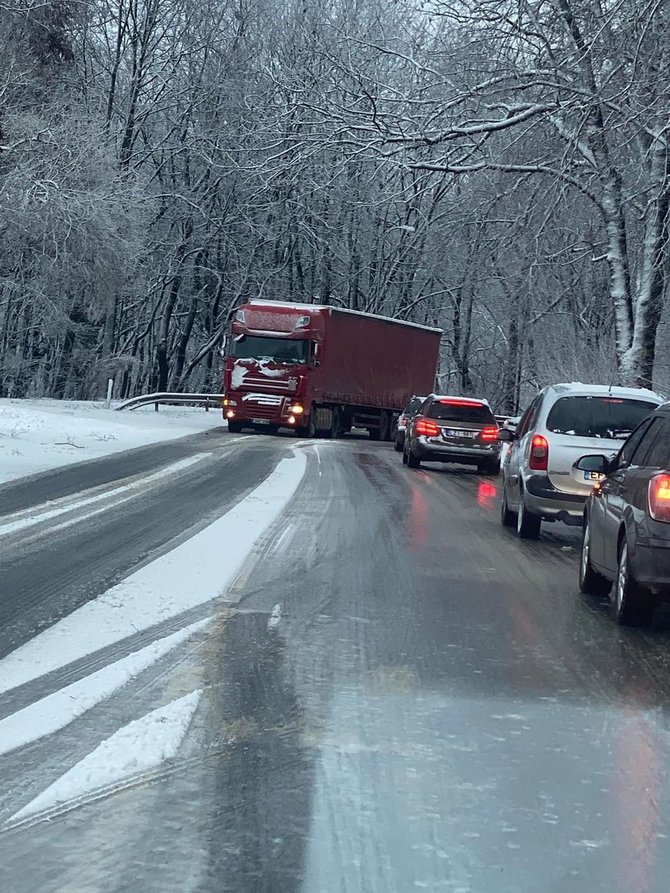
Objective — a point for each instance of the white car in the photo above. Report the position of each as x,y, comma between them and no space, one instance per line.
540,480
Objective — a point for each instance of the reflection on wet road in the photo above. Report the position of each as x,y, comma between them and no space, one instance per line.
397,694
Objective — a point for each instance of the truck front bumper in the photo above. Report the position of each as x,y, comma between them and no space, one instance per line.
263,410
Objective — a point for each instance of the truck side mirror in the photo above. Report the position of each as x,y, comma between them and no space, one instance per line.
314,359
224,344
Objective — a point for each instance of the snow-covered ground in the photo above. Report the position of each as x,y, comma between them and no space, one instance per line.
37,435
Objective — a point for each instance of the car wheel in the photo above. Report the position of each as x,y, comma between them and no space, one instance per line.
397,446
528,524
507,516
633,604
404,457
489,467
412,460
590,581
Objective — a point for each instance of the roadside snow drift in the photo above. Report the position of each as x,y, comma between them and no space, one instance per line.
37,435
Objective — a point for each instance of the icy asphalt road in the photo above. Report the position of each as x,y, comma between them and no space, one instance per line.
391,693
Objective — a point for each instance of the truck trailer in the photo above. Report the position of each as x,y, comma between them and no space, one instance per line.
322,370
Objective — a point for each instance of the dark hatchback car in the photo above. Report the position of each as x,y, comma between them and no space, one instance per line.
453,429
626,539
410,410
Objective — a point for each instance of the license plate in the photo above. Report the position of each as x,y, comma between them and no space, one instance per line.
593,476
453,432
260,421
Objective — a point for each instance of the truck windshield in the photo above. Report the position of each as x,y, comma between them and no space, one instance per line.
259,347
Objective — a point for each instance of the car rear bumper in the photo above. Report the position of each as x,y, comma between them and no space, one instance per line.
431,451
544,499
650,561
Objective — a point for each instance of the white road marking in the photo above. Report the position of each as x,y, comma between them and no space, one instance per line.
135,748
194,573
275,618
57,507
57,710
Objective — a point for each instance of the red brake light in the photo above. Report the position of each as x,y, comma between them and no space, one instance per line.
426,428
489,433
659,497
458,401
539,453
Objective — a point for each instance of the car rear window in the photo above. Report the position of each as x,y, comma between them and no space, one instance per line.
460,412
607,417
413,405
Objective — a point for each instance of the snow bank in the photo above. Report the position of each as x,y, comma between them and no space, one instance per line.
37,435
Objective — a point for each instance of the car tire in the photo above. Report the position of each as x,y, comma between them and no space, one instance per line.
404,457
234,427
507,516
633,604
528,524
397,446
590,581
489,467
412,460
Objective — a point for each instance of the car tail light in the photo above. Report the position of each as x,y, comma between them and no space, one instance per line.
489,433
539,453
426,428
659,497
461,401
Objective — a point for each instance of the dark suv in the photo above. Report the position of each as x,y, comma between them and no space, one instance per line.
453,429
626,538
411,409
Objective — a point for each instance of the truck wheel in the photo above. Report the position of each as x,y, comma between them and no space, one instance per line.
373,433
310,428
234,427
336,424
384,426
324,422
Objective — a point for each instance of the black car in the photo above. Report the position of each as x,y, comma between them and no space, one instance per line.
453,429
626,538
408,412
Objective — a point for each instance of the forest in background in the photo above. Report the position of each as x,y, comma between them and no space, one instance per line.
500,169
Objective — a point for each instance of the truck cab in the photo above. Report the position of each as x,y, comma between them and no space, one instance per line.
270,354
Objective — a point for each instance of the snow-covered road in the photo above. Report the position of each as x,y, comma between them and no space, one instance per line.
250,663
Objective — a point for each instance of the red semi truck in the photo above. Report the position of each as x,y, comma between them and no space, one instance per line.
323,370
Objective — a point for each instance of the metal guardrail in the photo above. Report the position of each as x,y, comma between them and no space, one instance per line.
167,398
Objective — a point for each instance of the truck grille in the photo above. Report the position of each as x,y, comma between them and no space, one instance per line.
271,384
262,406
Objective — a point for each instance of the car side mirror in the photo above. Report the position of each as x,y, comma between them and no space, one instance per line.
596,462
506,436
